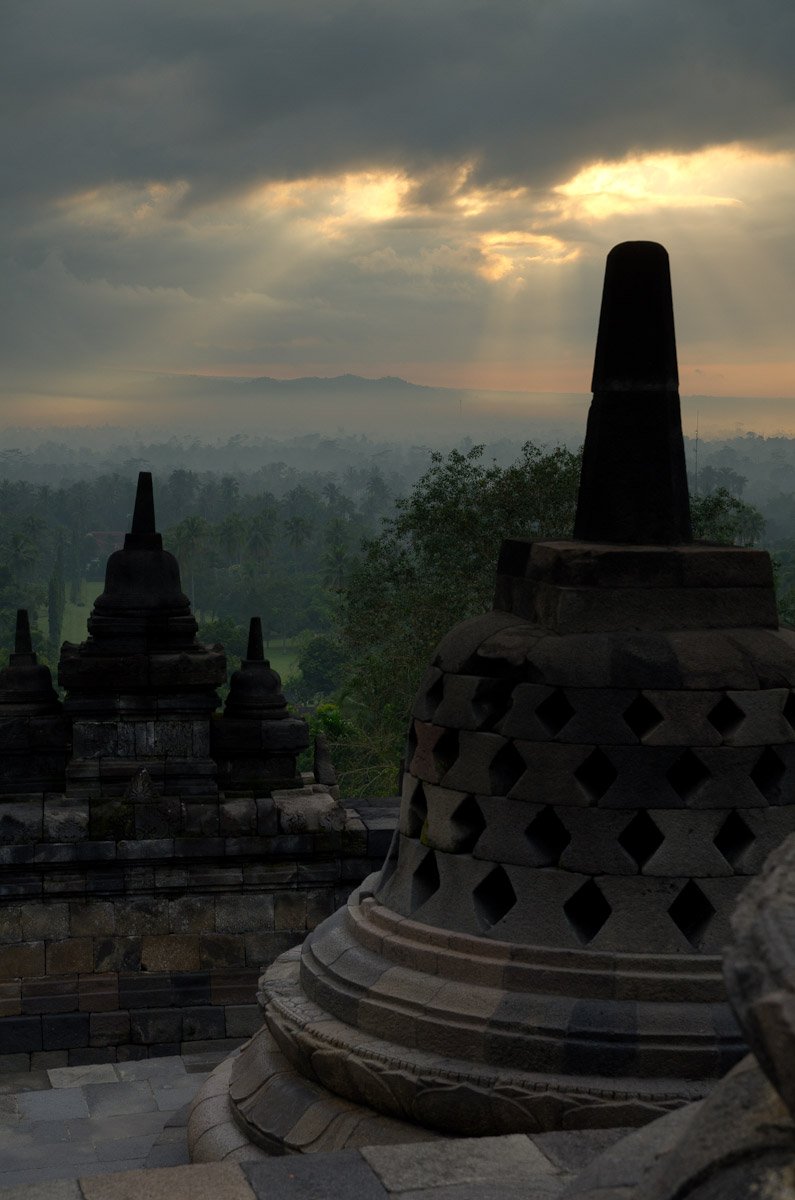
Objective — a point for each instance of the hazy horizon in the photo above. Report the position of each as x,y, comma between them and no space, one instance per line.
426,191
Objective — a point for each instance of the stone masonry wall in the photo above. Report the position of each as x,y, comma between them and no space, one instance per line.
114,949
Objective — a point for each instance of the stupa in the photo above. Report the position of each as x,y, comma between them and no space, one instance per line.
256,743
34,736
594,769
141,689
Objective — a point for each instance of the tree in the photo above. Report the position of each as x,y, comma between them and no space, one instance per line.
720,517
432,566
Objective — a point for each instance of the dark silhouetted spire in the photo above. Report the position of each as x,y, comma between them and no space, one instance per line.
255,689
255,652
22,639
144,515
143,535
634,483
26,684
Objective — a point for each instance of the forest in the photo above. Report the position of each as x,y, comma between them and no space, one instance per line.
357,555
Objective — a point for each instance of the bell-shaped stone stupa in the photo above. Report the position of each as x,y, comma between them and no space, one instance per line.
33,733
141,689
257,742
594,770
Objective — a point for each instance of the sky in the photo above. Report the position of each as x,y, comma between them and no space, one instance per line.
415,188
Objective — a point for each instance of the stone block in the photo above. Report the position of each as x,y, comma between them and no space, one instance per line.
63,1031
91,918
99,881
111,820
46,920
20,1035
246,847
200,818
237,818
245,913
263,948
10,925
198,847
94,851
21,822
11,998
65,819
201,1022
149,1025
191,988
290,910
173,738
242,1020
91,1056
146,990
161,818
145,739
379,836
140,878
49,995
319,905
234,986
200,739
550,771
304,811
142,916
169,877
14,855
21,961
267,819
49,1060
54,852
221,950
174,952
117,954
23,885
291,845
130,1053
149,848
72,956
191,914
98,993
95,739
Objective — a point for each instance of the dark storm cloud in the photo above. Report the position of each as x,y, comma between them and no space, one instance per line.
222,95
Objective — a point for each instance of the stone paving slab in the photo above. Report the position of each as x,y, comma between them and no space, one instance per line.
343,1175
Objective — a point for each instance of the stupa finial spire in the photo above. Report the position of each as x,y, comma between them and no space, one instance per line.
23,643
255,652
634,483
144,513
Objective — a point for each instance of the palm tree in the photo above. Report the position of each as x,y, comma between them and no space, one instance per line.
335,563
299,531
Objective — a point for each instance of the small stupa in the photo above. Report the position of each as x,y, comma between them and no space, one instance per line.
33,733
594,769
256,742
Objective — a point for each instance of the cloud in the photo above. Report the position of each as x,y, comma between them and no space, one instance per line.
344,184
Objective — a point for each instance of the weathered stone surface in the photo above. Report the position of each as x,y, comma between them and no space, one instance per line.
305,811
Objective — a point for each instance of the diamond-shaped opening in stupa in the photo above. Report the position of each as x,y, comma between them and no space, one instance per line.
733,838
789,709
768,773
687,775
596,775
642,717
691,913
726,717
506,769
424,882
445,752
416,811
586,911
466,825
554,713
641,839
493,898
548,836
